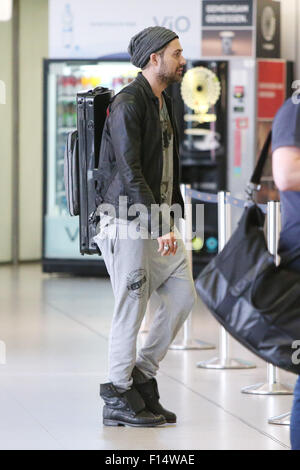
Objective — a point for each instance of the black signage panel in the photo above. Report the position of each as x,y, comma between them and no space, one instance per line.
227,13
268,29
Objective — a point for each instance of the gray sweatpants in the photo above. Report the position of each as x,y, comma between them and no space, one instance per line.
136,270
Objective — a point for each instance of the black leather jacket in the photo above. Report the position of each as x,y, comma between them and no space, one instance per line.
131,154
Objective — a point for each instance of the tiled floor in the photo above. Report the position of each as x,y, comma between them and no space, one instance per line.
56,329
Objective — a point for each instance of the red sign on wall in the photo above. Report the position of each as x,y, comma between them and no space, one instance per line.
271,88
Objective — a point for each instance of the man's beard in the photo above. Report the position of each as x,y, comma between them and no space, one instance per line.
167,78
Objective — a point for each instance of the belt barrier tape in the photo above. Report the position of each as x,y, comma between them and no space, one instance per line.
213,198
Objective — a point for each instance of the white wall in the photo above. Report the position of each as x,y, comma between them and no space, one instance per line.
290,35
6,142
33,48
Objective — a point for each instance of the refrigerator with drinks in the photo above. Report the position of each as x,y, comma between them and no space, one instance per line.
63,79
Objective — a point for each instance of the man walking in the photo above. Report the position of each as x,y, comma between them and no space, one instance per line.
139,161
286,169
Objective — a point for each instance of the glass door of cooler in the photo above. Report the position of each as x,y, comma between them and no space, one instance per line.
63,80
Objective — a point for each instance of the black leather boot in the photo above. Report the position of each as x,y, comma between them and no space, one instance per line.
127,408
148,390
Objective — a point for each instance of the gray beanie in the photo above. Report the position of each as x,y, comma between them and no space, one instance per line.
150,40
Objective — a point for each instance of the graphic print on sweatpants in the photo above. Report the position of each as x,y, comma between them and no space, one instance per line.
137,283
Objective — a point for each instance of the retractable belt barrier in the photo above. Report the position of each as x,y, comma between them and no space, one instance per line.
223,199
213,198
224,360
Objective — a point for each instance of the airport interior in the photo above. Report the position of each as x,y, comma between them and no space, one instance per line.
62,63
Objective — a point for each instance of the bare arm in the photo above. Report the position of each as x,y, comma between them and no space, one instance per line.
286,168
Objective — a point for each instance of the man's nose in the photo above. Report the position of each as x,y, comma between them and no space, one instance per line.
183,61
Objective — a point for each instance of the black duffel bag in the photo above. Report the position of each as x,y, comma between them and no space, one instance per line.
257,302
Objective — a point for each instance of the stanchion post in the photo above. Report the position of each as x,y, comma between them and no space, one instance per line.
272,386
282,420
186,230
224,361
224,224
2,353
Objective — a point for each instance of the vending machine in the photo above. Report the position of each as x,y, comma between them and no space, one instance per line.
201,109
63,79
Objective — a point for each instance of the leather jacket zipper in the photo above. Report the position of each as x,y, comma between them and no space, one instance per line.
162,154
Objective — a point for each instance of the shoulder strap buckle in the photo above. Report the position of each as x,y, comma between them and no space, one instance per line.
251,190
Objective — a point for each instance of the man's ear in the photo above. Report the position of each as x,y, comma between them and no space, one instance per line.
154,59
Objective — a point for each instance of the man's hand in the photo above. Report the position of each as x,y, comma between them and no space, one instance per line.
169,241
